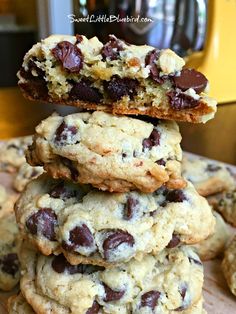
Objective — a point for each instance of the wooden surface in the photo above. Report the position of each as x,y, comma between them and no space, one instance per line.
217,296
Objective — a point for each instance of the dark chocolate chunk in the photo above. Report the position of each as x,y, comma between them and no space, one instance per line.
94,309
112,295
161,162
176,196
190,78
179,101
173,242
79,39
79,236
114,239
59,190
152,140
73,171
111,50
64,134
84,91
69,55
151,59
10,264
130,208
195,261
118,87
182,291
213,168
43,222
150,299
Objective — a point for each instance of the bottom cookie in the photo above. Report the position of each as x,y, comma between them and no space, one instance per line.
229,266
171,281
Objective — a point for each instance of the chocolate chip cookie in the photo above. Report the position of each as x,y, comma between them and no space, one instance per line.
9,249
170,281
24,175
17,304
229,266
12,153
104,228
215,244
7,202
115,77
225,204
208,177
112,153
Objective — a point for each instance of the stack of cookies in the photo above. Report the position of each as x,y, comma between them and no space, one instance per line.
106,228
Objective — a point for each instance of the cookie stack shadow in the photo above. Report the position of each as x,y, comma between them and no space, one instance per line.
107,228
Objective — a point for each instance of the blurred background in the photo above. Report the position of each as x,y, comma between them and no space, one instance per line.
202,31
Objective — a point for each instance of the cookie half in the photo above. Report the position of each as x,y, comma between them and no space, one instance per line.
116,77
110,152
170,281
104,228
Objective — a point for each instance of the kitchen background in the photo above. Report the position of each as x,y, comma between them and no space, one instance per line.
202,31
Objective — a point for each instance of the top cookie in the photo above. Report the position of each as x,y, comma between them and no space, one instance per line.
112,153
115,77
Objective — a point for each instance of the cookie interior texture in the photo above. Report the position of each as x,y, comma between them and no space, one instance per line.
115,77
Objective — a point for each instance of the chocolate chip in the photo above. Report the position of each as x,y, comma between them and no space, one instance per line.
152,140
60,191
176,196
190,78
79,236
84,91
182,291
173,242
73,171
179,101
94,309
61,265
195,261
150,299
112,295
213,168
10,264
35,86
43,222
65,134
161,162
79,39
130,208
151,59
69,55
115,239
118,87
111,50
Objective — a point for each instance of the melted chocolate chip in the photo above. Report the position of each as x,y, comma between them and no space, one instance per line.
69,55
73,171
190,78
115,239
118,87
43,222
161,162
60,191
94,309
112,295
152,140
176,196
10,264
173,242
130,208
84,91
151,59
182,291
79,39
79,236
64,134
179,101
213,168
150,299
111,50
195,261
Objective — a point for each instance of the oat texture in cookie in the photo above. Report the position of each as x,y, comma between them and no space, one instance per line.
170,281
24,175
216,243
208,177
9,249
229,266
104,228
225,204
112,153
17,304
12,153
115,77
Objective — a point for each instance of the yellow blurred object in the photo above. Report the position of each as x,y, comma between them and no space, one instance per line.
217,61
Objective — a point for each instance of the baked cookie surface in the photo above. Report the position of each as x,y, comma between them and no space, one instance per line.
168,282
24,175
116,77
101,228
7,201
229,265
112,153
225,204
17,304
